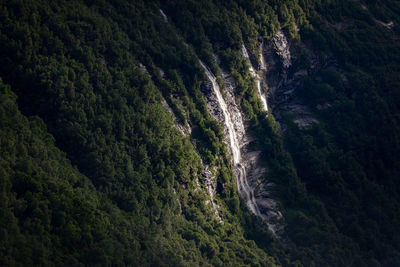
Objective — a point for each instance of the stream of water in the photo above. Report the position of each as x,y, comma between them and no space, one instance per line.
239,169
256,76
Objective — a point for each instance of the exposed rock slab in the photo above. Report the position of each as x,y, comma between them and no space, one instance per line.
283,81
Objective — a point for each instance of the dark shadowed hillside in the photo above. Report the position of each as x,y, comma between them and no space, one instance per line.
199,133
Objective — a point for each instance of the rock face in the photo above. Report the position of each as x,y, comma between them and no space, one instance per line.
282,81
235,133
208,176
249,175
281,47
263,190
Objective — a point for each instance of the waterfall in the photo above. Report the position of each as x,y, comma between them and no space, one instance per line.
262,60
256,76
240,172
164,16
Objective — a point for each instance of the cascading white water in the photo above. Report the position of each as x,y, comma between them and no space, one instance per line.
240,171
256,76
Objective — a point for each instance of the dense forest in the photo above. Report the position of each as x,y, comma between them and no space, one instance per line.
107,143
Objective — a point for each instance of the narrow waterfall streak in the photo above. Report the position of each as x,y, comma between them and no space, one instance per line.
242,187
262,60
262,96
164,16
228,121
256,76
240,171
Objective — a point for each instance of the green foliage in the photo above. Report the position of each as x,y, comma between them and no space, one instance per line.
95,173
343,160
49,210
140,203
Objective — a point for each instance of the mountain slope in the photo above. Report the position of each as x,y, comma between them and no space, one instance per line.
148,173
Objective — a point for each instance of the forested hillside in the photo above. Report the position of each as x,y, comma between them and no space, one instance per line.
116,148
